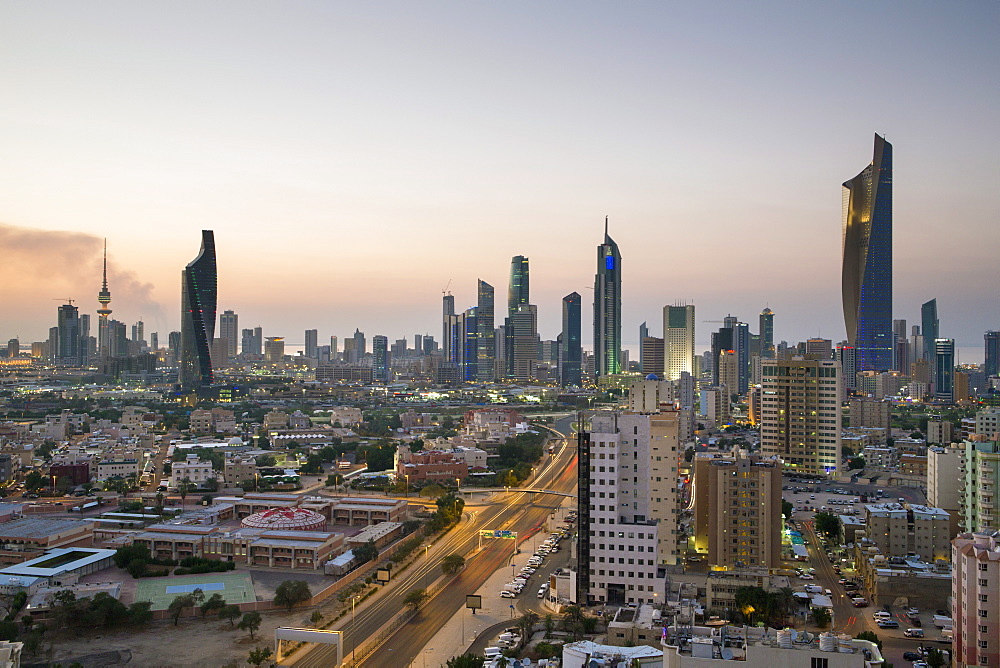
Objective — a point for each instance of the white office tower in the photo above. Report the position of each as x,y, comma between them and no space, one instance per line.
646,396
678,340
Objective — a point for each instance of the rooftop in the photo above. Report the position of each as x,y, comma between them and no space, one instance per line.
29,528
60,560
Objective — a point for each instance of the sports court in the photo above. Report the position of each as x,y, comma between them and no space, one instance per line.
234,586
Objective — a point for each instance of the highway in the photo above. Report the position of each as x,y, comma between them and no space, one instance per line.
513,511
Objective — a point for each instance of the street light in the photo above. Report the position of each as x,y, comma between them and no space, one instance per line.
354,643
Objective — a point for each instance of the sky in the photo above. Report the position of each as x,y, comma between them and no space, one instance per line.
356,159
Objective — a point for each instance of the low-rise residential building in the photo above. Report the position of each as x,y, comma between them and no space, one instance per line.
193,469
939,432
117,468
432,466
899,530
238,468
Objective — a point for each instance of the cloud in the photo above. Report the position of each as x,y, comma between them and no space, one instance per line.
43,267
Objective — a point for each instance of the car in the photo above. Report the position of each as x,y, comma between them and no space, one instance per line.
914,633
507,594
913,611
887,624
807,576
695,559
911,656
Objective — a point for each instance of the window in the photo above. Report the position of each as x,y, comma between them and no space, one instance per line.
983,644
983,567
819,663
983,598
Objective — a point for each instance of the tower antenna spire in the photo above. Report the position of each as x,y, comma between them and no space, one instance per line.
605,226
105,282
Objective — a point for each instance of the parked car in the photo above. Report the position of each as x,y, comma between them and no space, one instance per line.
914,633
507,594
888,624
911,656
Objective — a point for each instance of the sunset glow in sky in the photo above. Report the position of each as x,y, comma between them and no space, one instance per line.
353,158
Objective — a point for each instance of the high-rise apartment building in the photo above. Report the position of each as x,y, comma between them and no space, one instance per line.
627,507
900,529
607,308
199,295
570,344
651,356
312,343
521,332
975,600
229,329
737,510
485,333
981,480
867,263
801,414
678,340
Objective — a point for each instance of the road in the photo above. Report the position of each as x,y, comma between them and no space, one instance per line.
513,511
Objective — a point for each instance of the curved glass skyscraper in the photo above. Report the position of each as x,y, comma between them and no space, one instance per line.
199,294
867,269
608,308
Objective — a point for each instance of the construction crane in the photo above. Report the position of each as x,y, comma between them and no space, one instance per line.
64,299
444,291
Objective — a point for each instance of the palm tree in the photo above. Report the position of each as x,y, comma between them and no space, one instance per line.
452,564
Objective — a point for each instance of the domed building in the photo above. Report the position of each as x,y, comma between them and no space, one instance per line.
286,519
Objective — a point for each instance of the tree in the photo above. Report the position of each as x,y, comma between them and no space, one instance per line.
821,616
177,606
250,623
465,661
259,655
63,484
140,613
452,564
292,592
416,598
185,487
230,612
334,480
34,481
316,617
827,524
212,485
935,658
266,460
526,625
855,463
215,602
367,552
573,621
787,508
550,626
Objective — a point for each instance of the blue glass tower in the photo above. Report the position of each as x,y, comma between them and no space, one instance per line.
867,269
571,350
199,295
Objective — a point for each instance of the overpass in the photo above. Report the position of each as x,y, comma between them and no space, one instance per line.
522,490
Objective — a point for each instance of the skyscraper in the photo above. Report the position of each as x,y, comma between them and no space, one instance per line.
229,328
104,298
930,328
678,340
991,362
485,334
380,358
68,352
312,342
867,264
199,296
767,333
517,290
447,326
571,350
944,370
607,308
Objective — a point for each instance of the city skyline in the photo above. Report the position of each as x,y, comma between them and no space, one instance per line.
146,137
